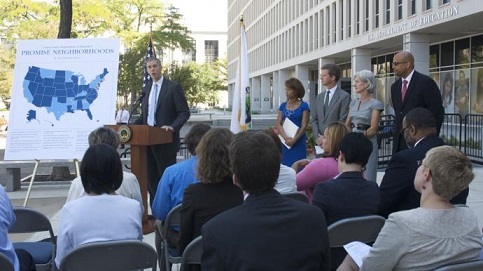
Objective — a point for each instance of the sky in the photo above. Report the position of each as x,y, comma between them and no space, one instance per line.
203,15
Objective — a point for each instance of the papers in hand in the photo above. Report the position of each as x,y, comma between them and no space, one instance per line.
358,251
290,130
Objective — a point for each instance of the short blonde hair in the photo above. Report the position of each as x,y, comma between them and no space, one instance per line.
451,170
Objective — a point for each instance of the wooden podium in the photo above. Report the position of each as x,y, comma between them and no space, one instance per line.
141,137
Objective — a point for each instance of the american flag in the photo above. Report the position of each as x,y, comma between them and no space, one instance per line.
151,52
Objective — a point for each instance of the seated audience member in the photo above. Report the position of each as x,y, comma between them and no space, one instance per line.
268,231
325,168
101,215
349,194
286,177
21,259
129,187
397,189
215,192
435,234
171,187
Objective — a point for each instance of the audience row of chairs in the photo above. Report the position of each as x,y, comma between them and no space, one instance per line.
134,254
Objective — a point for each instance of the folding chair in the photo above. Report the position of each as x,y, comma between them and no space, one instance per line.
29,220
192,253
363,228
296,196
173,220
119,255
5,263
465,266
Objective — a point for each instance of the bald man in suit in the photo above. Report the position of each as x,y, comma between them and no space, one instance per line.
419,91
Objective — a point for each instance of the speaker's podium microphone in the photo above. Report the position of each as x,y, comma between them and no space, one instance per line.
135,106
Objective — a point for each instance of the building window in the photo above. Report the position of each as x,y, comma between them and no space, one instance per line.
358,17
376,21
462,53
428,4
190,56
412,7
434,57
387,18
399,9
445,2
366,16
447,54
211,50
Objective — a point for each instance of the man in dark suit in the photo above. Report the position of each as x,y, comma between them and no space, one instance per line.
397,188
268,231
164,105
419,91
331,105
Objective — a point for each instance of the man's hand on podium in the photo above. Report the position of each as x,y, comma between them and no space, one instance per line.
167,128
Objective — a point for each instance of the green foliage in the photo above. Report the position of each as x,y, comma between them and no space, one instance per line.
200,82
470,143
32,19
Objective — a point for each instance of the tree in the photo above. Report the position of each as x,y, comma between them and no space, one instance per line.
65,24
200,82
6,73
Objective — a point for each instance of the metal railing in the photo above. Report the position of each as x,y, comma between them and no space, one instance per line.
464,133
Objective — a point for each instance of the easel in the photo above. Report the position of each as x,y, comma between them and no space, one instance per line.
32,177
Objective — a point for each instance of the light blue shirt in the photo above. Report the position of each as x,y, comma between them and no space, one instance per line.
7,219
171,187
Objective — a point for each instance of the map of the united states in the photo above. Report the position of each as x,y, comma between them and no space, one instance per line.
61,91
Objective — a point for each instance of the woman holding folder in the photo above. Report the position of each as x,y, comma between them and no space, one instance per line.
292,121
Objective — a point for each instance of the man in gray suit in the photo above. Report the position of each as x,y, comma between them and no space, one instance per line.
331,105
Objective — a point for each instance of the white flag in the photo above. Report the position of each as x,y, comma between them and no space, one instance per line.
241,117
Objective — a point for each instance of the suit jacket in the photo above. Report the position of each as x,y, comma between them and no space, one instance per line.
422,91
267,232
397,186
347,195
202,202
171,108
338,110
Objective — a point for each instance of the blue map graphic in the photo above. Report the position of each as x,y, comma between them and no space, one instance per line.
61,91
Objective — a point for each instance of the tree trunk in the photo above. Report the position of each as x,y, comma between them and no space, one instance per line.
65,25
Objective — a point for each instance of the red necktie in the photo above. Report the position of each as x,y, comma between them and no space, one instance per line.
404,89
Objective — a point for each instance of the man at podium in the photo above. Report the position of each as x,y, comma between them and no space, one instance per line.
163,105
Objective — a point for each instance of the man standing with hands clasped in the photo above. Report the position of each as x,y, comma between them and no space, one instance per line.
164,106
412,90
331,105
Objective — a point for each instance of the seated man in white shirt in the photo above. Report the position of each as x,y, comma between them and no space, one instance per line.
129,187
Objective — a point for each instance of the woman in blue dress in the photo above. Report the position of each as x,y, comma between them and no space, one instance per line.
298,112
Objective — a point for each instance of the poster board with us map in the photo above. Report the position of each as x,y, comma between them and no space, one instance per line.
62,90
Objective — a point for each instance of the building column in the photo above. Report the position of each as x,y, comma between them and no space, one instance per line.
302,73
266,95
231,88
360,60
256,94
418,45
279,78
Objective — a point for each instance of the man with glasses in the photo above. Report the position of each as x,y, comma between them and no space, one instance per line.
412,90
397,189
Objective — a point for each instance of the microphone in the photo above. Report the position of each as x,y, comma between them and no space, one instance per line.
135,106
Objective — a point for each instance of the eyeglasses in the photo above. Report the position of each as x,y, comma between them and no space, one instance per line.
402,130
395,63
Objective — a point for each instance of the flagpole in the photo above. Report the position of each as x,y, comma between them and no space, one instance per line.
239,86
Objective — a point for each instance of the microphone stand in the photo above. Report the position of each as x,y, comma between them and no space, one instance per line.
135,106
